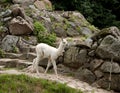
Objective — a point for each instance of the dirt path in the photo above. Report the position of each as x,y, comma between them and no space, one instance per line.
71,82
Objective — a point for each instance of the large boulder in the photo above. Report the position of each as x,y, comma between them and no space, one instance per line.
114,31
114,83
75,57
85,75
19,11
19,26
110,67
109,48
9,42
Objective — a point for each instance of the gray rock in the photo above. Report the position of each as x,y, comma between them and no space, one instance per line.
19,11
89,42
7,19
27,45
31,56
95,64
114,31
72,32
95,45
8,42
60,32
12,55
63,69
72,24
85,31
98,74
85,75
109,48
114,84
6,13
19,26
74,57
12,63
107,66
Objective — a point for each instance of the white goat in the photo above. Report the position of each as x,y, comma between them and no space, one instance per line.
46,51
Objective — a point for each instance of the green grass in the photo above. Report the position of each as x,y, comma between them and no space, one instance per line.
25,84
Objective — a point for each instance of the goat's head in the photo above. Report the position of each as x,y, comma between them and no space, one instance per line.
64,42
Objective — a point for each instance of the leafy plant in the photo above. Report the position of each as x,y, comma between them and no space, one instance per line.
43,35
15,49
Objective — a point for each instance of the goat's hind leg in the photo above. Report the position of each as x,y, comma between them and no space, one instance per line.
33,68
30,68
36,63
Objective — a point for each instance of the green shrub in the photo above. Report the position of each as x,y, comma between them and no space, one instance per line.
5,1
43,35
95,11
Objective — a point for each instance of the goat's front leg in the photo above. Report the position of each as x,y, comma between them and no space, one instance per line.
48,65
55,67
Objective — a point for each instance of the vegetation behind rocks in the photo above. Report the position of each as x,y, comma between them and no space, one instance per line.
101,13
43,35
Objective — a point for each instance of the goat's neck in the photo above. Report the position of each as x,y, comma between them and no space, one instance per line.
60,49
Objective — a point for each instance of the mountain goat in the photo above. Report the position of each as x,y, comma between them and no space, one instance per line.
45,51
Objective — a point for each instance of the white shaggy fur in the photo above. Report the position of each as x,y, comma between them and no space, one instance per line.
45,51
